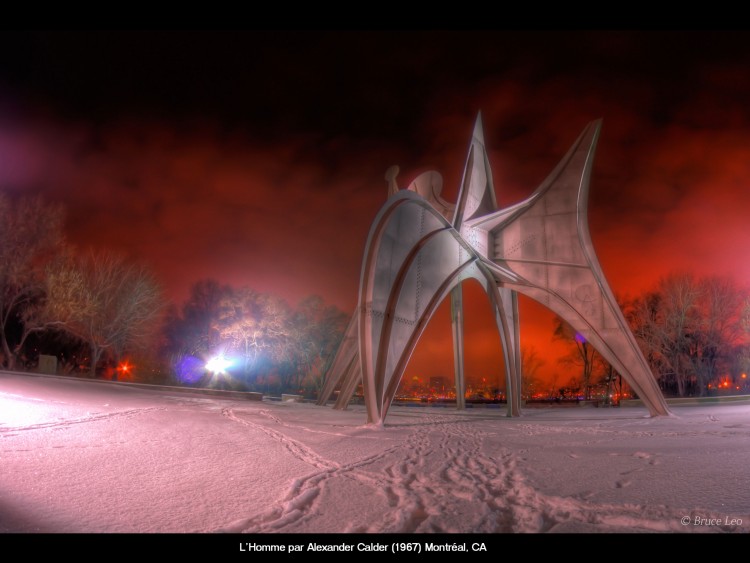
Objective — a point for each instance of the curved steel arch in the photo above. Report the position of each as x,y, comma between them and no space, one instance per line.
420,248
401,287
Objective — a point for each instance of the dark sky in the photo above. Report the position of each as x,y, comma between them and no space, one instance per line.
257,158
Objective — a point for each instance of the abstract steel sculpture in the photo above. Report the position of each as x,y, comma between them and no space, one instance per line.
421,247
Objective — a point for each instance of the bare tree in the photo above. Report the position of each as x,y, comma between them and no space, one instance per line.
57,304
718,331
663,322
610,382
530,365
115,305
583,354
263,335
255,326
288,349
198,328
30,233
319,328
689,329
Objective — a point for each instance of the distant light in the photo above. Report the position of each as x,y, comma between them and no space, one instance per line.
218,364
124,366
190,369
744,376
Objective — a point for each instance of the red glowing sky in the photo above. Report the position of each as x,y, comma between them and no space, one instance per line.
258,158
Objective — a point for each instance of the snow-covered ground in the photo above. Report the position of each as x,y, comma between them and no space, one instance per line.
78,456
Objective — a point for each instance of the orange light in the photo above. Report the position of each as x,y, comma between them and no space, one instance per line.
744,376
123,367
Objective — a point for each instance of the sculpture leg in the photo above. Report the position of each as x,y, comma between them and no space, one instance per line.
517,352
352,378
457,324
546,243
505,304
348,351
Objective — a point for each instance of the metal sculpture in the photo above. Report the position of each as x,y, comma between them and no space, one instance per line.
421,247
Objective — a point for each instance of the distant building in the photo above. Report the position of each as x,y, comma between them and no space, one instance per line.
437,383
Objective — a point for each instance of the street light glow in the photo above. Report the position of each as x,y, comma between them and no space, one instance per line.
218,364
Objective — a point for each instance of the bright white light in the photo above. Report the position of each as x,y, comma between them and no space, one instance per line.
17,411
218,364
